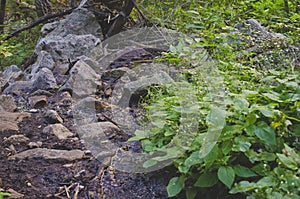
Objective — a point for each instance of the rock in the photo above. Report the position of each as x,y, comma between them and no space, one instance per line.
254,28
44,80
47,28
9,75
41,92
39,101
61,69
35,144
60,131
9,121
49,154
15,194
79,22
96,138
62,50
7,103
44,60
16,139
53,117
65,99
82,80
18,87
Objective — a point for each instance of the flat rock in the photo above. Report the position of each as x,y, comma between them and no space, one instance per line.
7,103
9,121
60,131
49,154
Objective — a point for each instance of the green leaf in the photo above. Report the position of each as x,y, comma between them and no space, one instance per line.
287,161
241,104
244,172
175,186
251,119
242,187
267,181
216,122
266,112
191,193
273,96
207,180
226,175
193,159
266,134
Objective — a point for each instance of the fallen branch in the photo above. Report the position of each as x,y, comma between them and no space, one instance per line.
37,22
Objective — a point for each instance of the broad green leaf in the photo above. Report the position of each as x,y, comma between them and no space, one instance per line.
244,172
207,180
216,122
191,193
193,159
226,175
266,133
287,161
251,119
241,144
266,112
175,186
273,96
267,181
241,104
242,187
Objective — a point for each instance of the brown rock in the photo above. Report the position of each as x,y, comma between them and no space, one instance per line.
60,131
38,101
9,121
52,117
49,154
7,103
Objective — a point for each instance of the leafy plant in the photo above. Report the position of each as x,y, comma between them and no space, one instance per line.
256,153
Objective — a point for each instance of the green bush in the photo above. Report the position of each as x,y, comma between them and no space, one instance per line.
248,117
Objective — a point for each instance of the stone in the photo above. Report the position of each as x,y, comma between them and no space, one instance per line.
47,28
62,50
96,137
15,194
49,154
9,121
9,75
44,80
79,22
7,103
60,131
53,117
39,101
82,81
18,87
35,144
16,139
61,69
44,60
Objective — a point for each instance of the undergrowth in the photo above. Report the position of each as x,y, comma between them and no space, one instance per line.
244,139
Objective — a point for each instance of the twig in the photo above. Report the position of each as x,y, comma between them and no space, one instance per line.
37,22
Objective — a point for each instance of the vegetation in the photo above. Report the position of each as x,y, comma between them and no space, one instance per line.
247,140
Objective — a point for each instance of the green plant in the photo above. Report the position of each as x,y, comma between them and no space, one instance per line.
3,194
256,153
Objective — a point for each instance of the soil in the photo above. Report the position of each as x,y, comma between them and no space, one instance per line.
84,178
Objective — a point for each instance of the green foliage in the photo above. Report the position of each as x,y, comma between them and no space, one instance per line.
3,194
247,137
